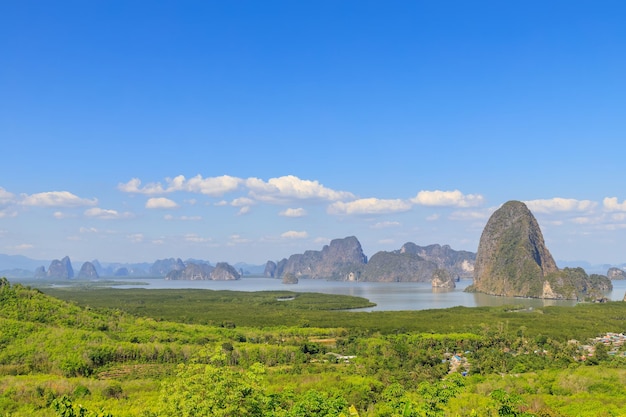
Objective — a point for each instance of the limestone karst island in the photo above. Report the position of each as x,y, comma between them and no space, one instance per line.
512,260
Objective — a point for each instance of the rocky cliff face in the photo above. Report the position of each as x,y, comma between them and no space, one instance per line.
512,260
88,271
335,261
224,271
460,264
40,272
397,267
201,271
289,279
442,279
60,269
270,269
616,273
191,272
162,267
344,260
574,283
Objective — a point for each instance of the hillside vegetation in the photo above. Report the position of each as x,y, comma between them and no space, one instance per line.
203,353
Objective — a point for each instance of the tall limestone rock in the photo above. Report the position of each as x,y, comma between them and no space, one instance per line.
460,264
224,272
88,271
40,272
161,267
270,269
512,259
342,259
398,266
60,269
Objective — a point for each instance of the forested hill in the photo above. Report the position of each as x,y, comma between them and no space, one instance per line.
58,358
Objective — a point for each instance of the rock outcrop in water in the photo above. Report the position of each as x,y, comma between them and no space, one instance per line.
398,266
616,273
224,272
512,260
442,280
191,272
200,272
162,267
460,264
338,260
344,260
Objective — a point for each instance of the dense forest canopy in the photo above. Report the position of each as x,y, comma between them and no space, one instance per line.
198,353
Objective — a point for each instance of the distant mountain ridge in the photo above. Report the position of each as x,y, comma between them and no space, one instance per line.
344,260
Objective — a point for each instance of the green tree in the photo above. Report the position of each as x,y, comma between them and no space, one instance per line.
436,395
63,407
210,390
508,404
318,404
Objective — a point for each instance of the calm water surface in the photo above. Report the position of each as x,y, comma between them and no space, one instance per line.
387,296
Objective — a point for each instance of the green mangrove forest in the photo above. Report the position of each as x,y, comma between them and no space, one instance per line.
83,351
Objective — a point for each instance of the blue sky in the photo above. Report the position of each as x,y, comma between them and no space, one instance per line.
248,131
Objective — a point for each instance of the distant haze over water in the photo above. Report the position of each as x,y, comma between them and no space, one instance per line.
387,296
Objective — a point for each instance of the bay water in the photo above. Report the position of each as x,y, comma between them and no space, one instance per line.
387,296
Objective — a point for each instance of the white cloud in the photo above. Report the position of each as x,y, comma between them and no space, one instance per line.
6,197
384,225
192,237
560,205
618,217
56,199
136,237
290,187
23,246
133,186
369,206
105,214
433,217
447,198
213,186
243,210
612,204
237,240
6,213
191,218
472,214
293,212
160,203
292,234
88,230
242,202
